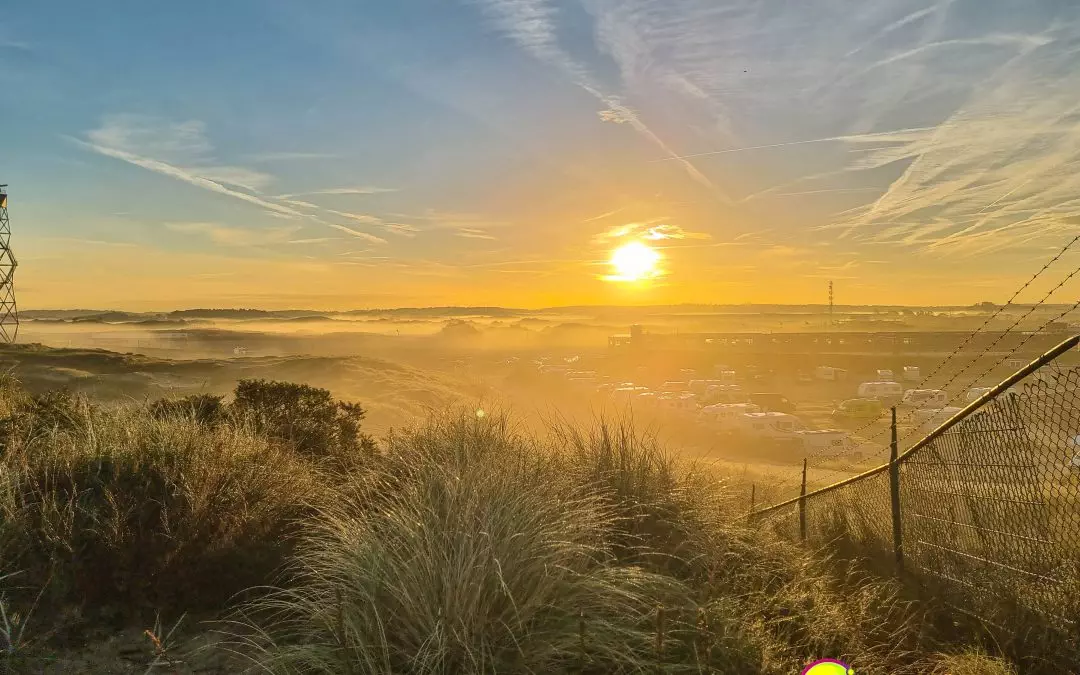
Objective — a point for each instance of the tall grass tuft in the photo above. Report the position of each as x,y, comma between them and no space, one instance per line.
478,554
665,510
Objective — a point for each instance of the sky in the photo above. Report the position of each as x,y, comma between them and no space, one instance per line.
339,154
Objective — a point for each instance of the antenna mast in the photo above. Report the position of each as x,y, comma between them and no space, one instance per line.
830,306
9,313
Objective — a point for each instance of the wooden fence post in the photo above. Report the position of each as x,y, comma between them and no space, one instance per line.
802,504
894,490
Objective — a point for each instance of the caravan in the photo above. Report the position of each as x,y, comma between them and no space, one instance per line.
925,398
886,392
770,425
727,415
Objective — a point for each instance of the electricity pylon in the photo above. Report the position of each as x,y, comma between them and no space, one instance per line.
9,313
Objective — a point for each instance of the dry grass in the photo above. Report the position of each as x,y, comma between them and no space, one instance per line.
461,546
123,513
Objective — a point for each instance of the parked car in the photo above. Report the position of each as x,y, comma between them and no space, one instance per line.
859,409
773,402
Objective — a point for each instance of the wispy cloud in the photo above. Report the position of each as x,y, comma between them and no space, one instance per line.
361,190
532,25
653,230
473,233
132,138
299,203
187,176
986,141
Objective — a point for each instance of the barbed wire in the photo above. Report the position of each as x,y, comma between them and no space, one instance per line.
1063,314
971,336
821,459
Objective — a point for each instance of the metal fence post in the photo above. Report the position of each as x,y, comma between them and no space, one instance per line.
894,489
802,503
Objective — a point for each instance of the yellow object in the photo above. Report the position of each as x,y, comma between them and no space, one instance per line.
829,667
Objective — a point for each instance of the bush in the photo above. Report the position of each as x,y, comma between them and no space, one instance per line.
306,418
203,408
131,512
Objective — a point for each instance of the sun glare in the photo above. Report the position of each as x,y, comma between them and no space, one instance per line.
634,262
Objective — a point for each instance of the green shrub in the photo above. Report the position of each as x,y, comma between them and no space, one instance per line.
306,418
203,408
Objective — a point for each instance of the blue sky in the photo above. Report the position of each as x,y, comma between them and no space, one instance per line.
349,154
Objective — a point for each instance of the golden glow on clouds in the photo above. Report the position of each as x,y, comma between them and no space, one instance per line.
634,262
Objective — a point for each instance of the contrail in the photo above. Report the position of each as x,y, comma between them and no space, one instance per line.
857,137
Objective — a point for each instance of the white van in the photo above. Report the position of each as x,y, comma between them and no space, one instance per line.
775,425
925,398
820,441
885,375
883,391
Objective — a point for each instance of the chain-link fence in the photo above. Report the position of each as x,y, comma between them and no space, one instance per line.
986,508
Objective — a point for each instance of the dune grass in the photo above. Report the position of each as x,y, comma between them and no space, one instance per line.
461,545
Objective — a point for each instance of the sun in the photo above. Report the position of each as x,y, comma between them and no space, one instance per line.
634,262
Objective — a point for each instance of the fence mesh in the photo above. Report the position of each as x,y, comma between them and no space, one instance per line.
989,509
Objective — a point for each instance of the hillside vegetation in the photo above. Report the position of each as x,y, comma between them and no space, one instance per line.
268,532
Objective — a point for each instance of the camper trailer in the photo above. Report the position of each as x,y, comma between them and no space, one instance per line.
886,392
912,374
925,398
727,415
770,425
